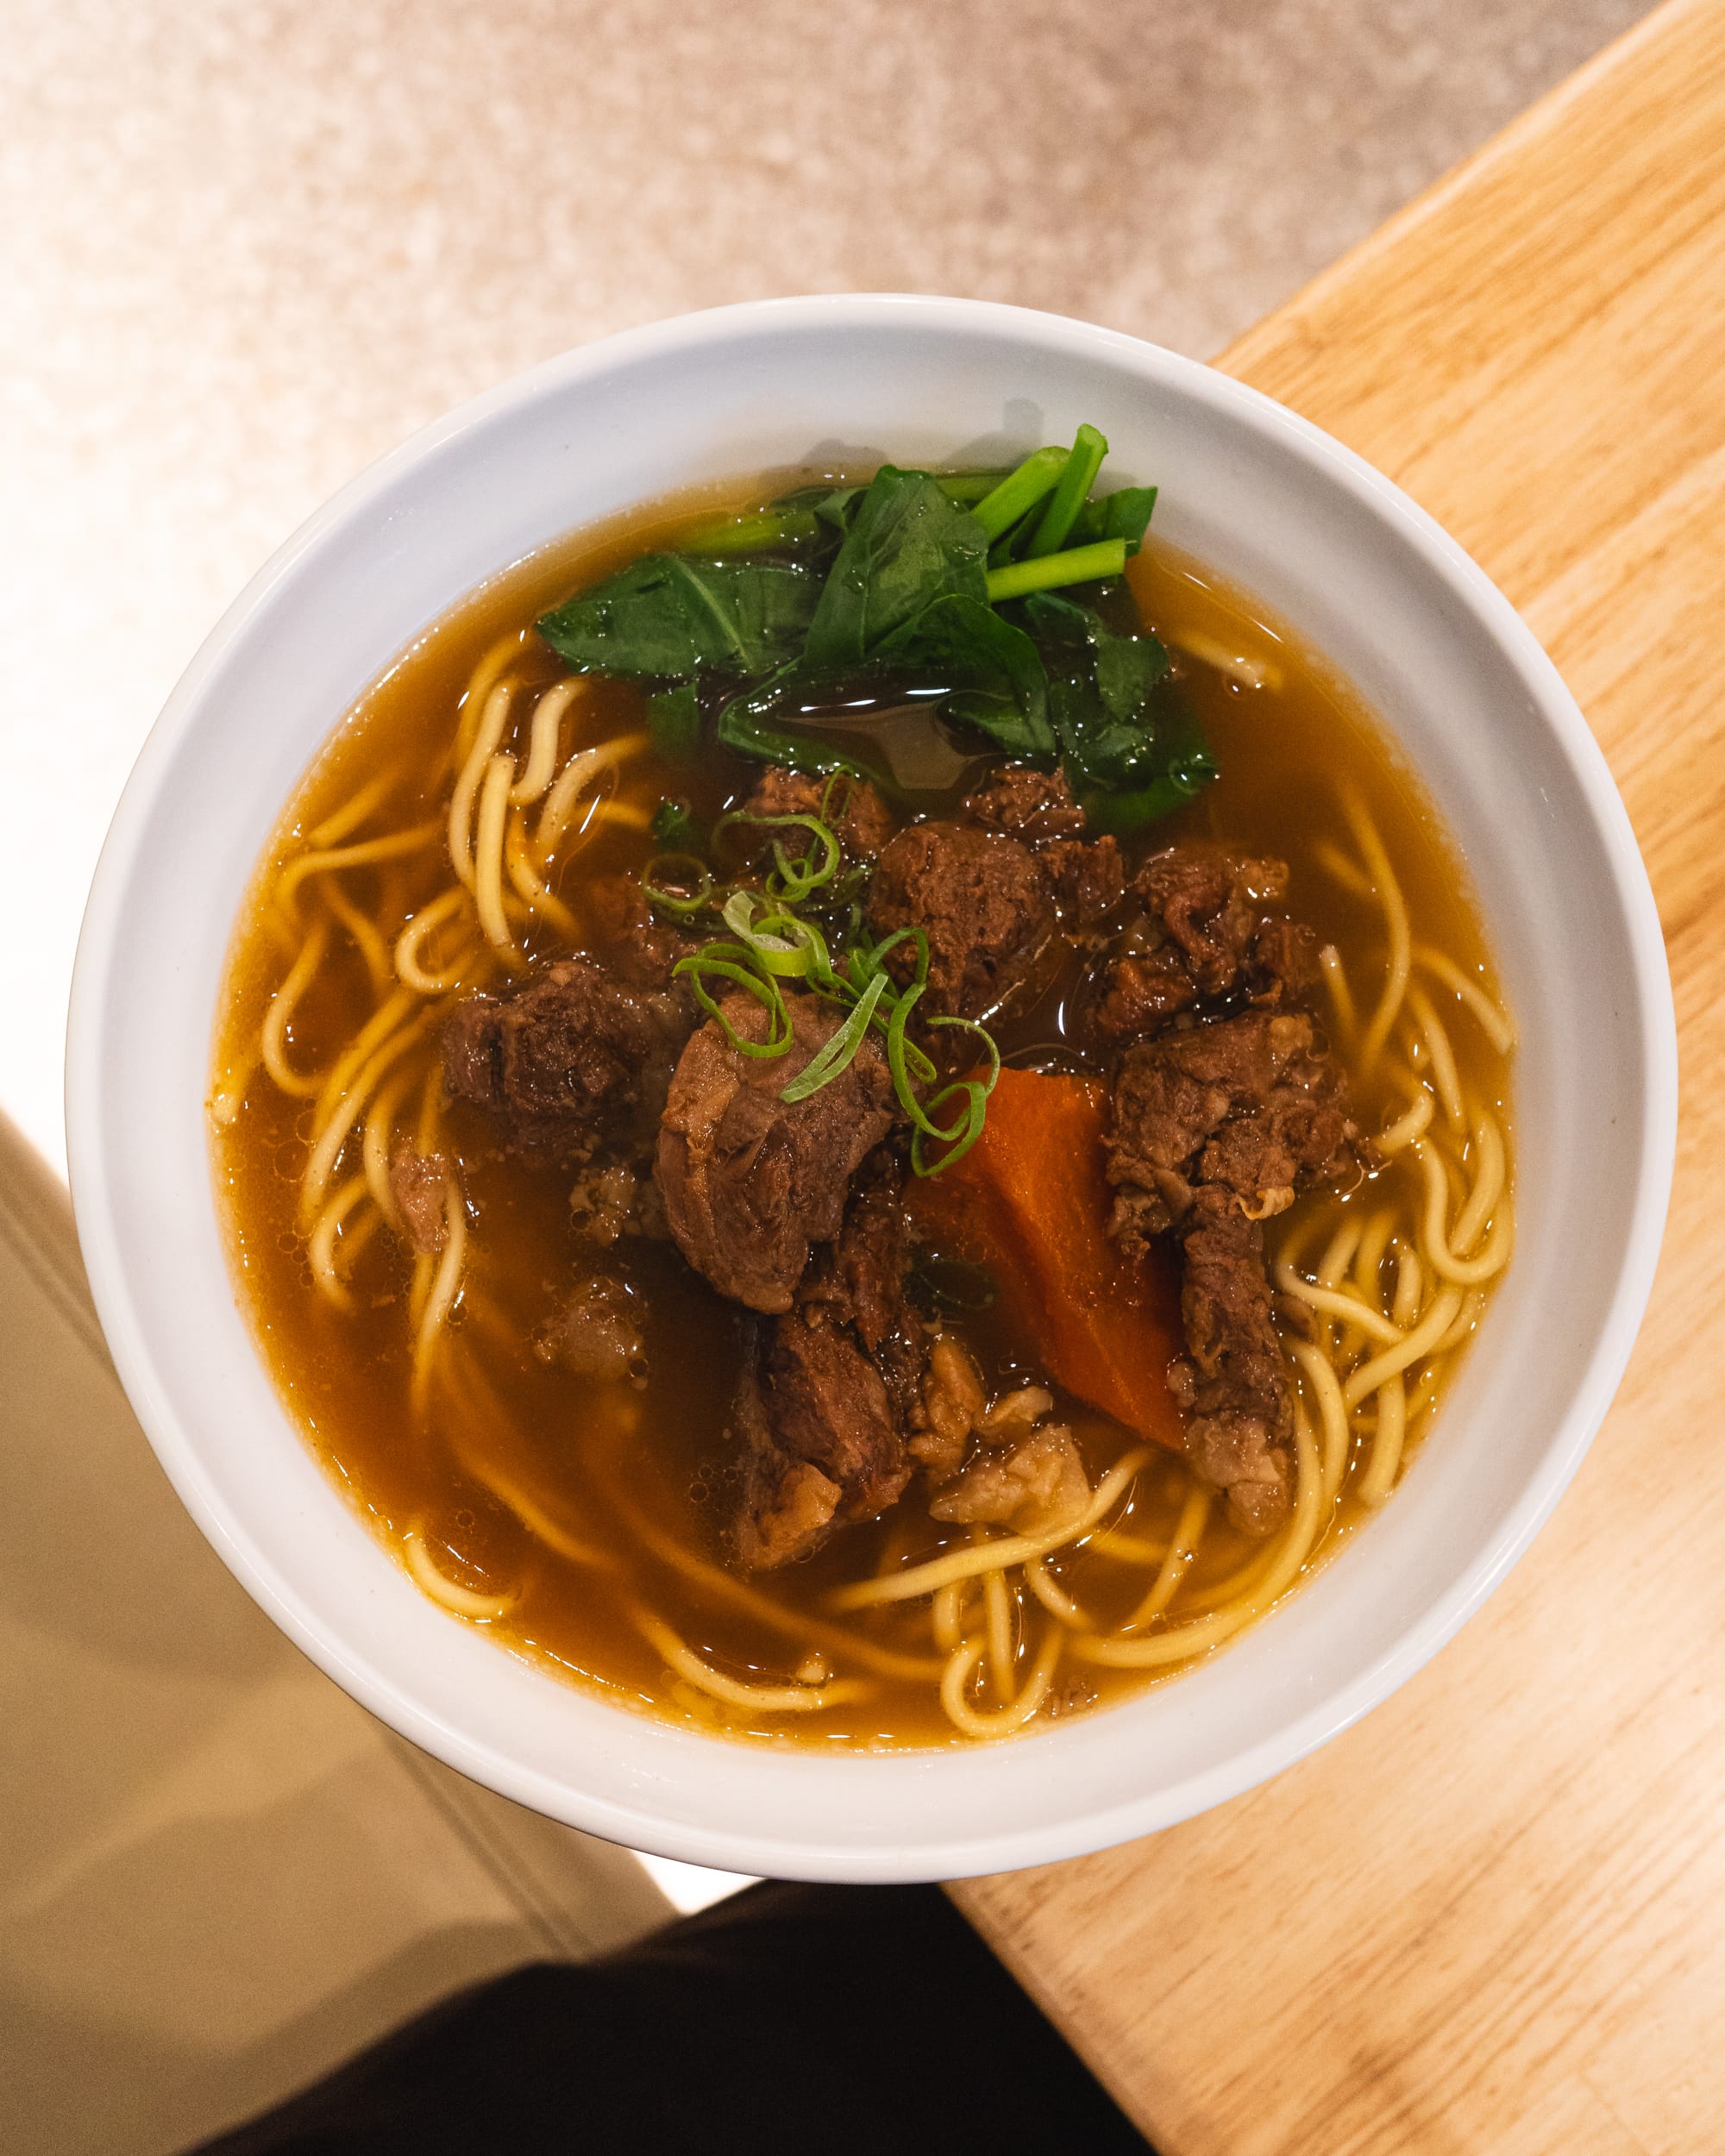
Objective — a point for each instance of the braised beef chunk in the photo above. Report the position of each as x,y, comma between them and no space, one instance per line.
1215,1128
812,1399
788,1505
1208,901
855,812
858,1279
750,1180
562,1064
1026,804
631,937
1089,878
1135,993
1035,807
420,1184
982,900
826,1402
834,1385
1283,966
1203,937
1251,1105
1232,1384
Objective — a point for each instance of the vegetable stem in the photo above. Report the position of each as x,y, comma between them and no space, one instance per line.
1044,573
968,486
1083,461
752,533
1023,489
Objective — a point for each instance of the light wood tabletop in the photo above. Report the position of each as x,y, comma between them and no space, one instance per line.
1492,1916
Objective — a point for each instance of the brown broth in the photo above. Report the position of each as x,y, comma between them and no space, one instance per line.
599,1458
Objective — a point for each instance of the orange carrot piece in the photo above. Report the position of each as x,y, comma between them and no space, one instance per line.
1029,1201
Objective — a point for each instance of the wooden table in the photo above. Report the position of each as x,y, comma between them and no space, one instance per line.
1492,1917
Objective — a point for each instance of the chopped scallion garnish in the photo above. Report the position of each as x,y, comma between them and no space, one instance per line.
770,942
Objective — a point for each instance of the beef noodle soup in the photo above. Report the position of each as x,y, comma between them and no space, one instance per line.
868,1111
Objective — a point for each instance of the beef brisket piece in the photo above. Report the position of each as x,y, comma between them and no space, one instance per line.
1089,878
788,1503
750,1180
828,1389
984,903
1231,1382
1252,1104
857,812
822,1404
1026,803
1035,807
566,1063
1204,937
1215,1128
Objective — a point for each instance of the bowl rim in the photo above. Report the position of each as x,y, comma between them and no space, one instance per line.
985,1850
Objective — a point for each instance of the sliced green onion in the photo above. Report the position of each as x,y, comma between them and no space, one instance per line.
722,959
896,1062
1083,461
988,1043
1023,489
841,1051
1044,573
875,961
796,878
778,942
773,944
670,900
963,1134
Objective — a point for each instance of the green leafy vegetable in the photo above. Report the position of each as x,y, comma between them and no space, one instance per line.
999,685
674,719
752,723
774,612
968,488
1099,691
907,545
1181,765
1124,514
667,617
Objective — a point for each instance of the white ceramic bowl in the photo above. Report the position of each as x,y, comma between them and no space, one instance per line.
1273,504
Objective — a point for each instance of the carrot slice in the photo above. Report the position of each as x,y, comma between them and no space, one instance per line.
1029,1201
